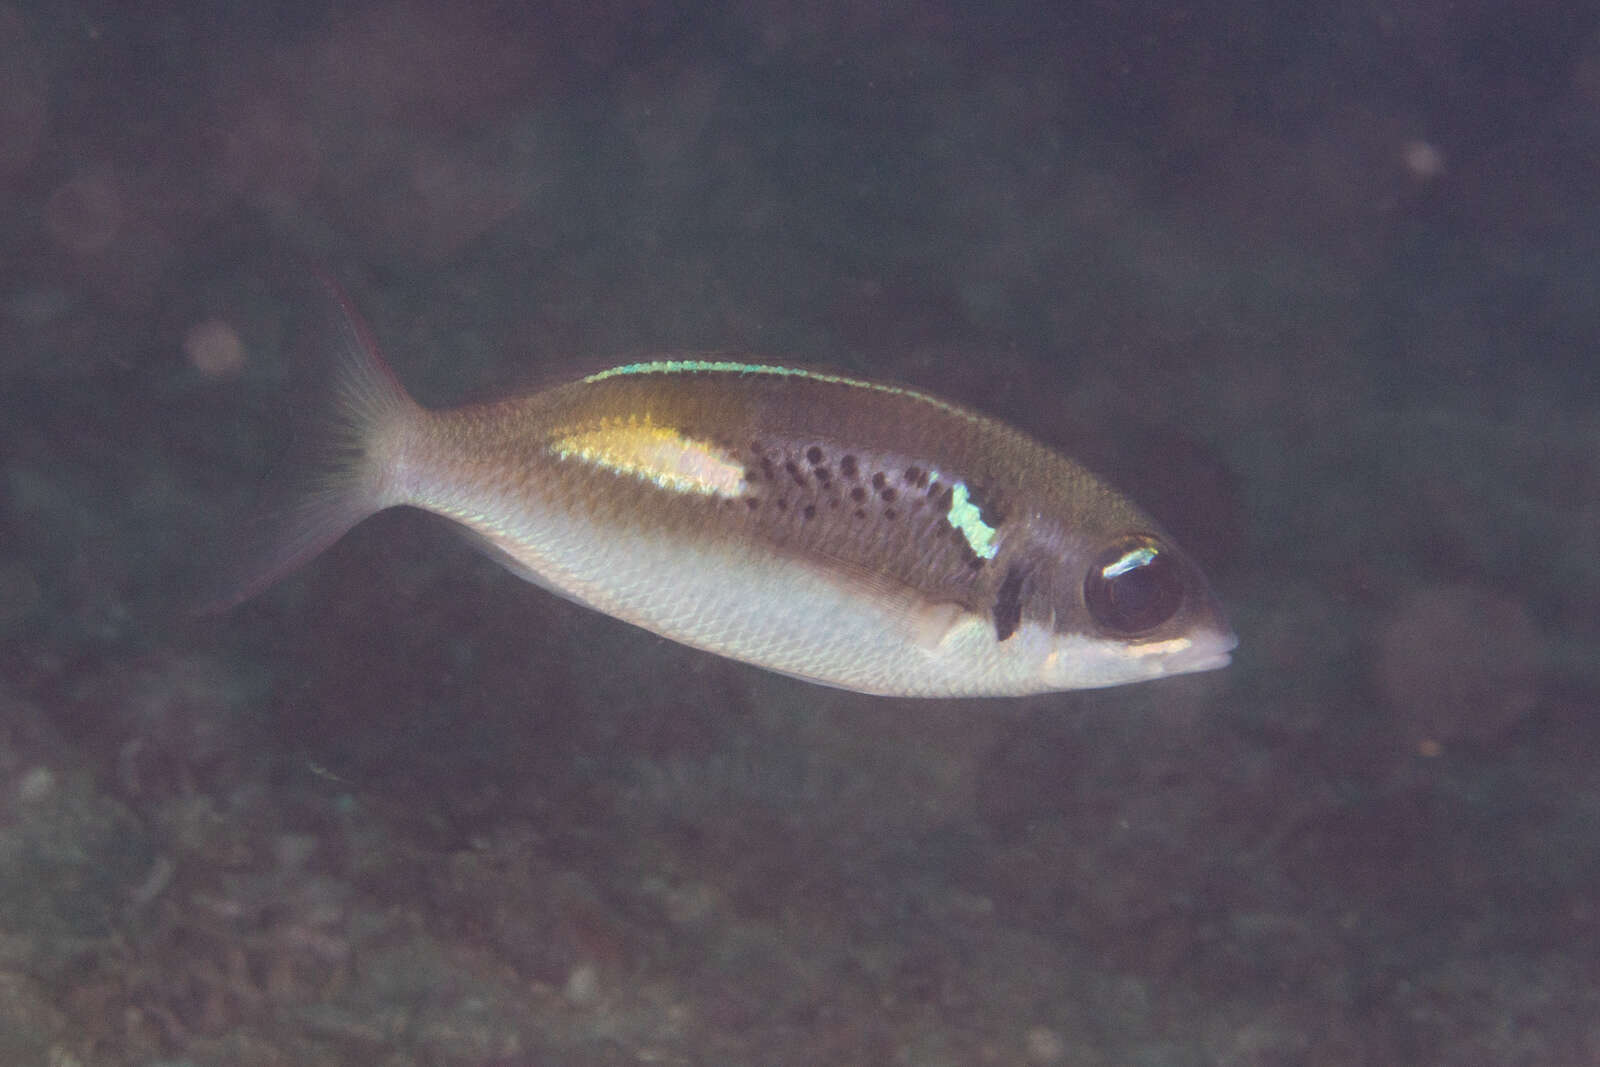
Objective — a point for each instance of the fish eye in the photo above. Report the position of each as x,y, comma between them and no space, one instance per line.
1134,585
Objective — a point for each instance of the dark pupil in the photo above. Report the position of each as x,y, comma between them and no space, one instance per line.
1133,587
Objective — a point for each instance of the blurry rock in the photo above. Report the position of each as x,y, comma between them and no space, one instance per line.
71,858
168,724
29,1022
1458,663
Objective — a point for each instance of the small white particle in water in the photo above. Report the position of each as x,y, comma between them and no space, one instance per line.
583,984
214,349
1423,160
1044,1045
36,785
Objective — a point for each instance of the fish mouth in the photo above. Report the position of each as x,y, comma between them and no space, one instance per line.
1206,650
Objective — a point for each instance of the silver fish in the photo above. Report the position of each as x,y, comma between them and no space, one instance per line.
847,532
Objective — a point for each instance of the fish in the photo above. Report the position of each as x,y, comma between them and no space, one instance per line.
852,533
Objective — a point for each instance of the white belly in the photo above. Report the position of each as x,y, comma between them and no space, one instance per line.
783,614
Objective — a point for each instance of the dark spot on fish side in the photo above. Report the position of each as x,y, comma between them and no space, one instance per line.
847,466
878,480
933,488
756,449
783,503
824,478
861,513
794,472
976,562
858,494
752,503
813,455
942,500
1008,604
912,474
768,469
890,513
809,511
888,494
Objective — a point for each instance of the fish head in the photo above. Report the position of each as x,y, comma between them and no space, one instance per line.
1128,605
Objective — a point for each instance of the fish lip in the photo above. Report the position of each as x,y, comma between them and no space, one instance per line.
1208,650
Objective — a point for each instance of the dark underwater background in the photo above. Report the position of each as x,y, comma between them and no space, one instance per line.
1318,284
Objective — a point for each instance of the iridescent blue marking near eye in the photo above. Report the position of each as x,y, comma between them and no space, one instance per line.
1133,560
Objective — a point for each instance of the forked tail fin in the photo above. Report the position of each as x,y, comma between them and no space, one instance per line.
351,434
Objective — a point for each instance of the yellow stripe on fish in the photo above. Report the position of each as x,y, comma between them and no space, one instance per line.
659,454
